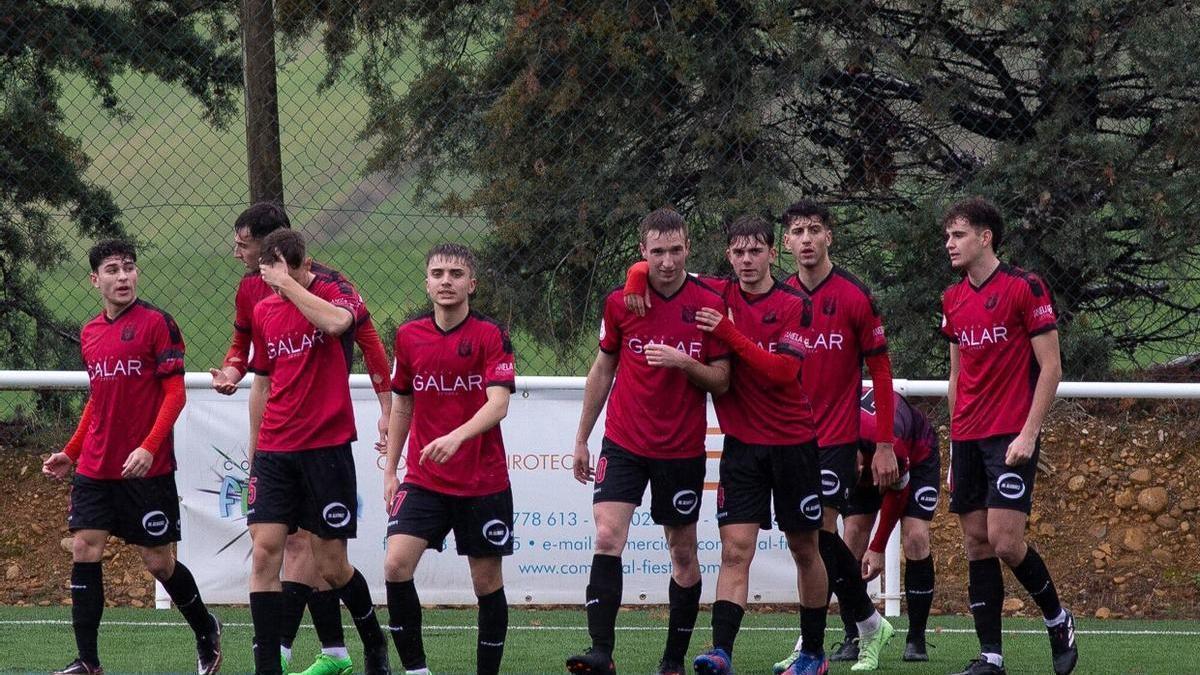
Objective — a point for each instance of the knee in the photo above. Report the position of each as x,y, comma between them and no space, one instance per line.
334,568
159,562
396,568
610,540
267,555
486,582
1009,549
916,545
297,545
85,551
804,550
736,556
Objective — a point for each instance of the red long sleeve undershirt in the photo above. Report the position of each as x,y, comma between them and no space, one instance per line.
777,368
889,515
174,398
75,446
880,367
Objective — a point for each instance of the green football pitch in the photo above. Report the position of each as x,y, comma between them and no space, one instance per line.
155,641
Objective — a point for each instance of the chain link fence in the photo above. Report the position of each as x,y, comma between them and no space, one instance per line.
539,133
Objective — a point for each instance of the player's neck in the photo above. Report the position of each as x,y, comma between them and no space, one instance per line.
759,287
983,267
449,317
667,290
811,277
112,310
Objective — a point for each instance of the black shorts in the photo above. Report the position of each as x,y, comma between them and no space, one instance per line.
482,525
924,481
839,473
676,485
142,511
751,474
979,478
313,489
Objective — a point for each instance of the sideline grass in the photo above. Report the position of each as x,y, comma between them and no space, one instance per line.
152,641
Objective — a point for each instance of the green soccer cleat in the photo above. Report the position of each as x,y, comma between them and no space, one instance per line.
783,665
330,665
870,646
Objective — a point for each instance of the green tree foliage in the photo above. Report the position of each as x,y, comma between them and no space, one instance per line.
1079,117
43,169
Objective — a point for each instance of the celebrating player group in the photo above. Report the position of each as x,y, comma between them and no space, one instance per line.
804,443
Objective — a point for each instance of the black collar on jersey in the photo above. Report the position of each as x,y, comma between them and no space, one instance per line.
757,297
687,279
103,313
832,271
460,324
999,268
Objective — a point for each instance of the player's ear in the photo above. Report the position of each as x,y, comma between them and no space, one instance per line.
95,279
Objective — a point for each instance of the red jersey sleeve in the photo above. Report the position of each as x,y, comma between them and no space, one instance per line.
340,293
168,348
243,309
1037,310
374,355
500,362
401,367
791,339
870,328
610,322
258,363
715,349
947,329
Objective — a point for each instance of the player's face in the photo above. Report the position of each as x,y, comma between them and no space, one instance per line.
965,244
116,279
667,254
449,281
246,249
751,259
808,239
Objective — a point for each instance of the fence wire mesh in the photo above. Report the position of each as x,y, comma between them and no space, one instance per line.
539,133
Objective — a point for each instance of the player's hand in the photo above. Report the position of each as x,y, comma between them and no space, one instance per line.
441,449
872,565
638,304
883,467
583,463
275,273
382,427
662,356
137,463
57,466
707,319
1019,451
224,380
391,485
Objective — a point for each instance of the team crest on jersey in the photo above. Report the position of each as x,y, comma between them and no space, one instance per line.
127,334
829,306
770,317
992,301
689,314
464,348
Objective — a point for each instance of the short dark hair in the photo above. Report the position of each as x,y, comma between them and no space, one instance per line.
287,244
262,219
751,227
806,208
107,248
452,252
662,221
979,214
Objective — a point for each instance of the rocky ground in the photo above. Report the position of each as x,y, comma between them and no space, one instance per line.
1116,514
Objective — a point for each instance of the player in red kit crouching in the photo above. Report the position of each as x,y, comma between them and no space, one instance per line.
1004,371
125,477
301,427
454,372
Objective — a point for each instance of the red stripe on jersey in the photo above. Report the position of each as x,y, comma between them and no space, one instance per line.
846,328
308,406
915,439
754,410
657,412
447,373
126,359
992,325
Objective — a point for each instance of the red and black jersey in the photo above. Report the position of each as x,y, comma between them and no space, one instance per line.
846,329
252,290
992,324
657,412
448,372
126,359
309,402
754,410
916,441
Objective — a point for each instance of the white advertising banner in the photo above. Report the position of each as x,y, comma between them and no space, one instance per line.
553,529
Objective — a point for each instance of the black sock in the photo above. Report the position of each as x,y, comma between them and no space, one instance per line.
404,623
295,597
812,629
356,594
849,625
186,596
493,627
985,588
266,608
1034,576
685,605
326,611
845,576
603,601
726,621
87,605
918,590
